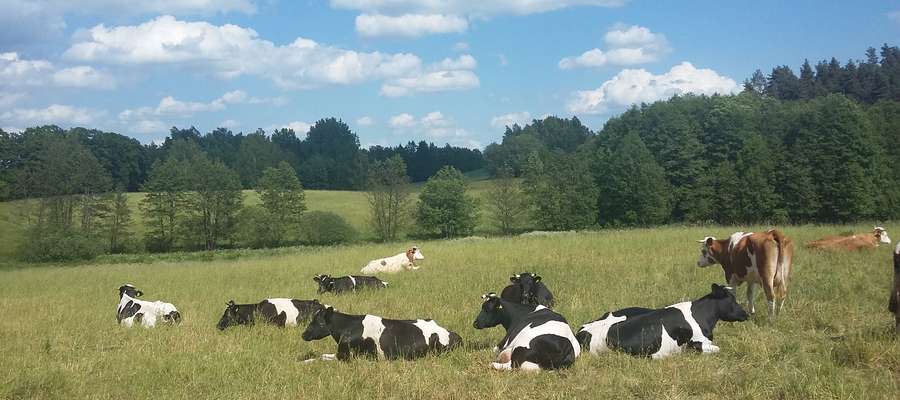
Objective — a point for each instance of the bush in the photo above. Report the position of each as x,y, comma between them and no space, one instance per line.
325,228
65,245
255,228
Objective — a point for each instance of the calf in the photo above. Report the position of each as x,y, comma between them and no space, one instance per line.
527,288
400,262
536,337
278,312
350,283
379,338
666,331
858,241
895,292
756,258
146,313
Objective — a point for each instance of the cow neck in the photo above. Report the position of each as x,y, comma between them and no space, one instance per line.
339,321
725,255
704,311
513,312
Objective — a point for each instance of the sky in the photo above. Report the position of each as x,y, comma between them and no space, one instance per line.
451,71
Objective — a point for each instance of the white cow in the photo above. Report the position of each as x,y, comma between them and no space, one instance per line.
400,262
146,313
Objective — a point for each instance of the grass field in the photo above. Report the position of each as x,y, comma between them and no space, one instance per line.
59,338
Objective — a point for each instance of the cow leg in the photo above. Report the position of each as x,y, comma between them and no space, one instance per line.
770,298
750,306
522,358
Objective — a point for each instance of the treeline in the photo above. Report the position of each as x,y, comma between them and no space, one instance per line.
328,157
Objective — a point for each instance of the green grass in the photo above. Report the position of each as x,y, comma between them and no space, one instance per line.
59,338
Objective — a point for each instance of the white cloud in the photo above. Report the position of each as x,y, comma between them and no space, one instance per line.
170,106
84,77
628,45
365,121
229,124
9,98
435,126
299,127
461,46
464,61
502,121
471,8
402,121
16,71
632,86
147,126
63,115
446,75
410,25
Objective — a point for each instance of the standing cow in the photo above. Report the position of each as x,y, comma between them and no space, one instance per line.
756,258
146,313
536,337
527,288
278,312
895,292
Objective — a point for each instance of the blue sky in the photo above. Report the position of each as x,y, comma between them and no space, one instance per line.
452,71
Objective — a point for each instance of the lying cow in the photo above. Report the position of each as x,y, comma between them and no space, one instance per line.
858,241
278,312
400,262
536,337
666,331
146,313
756,258
527,288
350,283
895,292
379,338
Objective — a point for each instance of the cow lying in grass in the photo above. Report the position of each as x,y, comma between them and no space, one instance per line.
401,262
536,337
352,283
527,288
374,337
665,331
132,311
858,241
278,312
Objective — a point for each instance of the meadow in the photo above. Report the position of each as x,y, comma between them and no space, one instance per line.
59,338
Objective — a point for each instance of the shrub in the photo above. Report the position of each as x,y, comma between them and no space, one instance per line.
325,228
256,229
43,245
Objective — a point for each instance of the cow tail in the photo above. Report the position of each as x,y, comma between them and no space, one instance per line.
780,274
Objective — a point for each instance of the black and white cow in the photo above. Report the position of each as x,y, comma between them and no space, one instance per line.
536,337
527,288
379,338
662,332
279,312
146,313
350,283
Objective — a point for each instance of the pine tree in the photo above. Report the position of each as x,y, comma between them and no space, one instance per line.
632,187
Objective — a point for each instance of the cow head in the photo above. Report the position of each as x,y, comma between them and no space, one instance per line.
708,246
528,282
491,312
882,235
326,283
413,253
319,325
727,307
130,290
231,317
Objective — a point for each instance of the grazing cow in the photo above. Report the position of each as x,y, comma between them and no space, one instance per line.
665,331
350,283
858,241
756,258
536,337
895,292
279,312
397,263
146,313
379,338
527,288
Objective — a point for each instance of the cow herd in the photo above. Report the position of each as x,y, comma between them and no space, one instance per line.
536,337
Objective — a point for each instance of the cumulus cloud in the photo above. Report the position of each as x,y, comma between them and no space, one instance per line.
435,126
365,121
472,8
402,121
299,127
150,119
9,98
627,45
63,115
633,86
410,25
502,121
83,77
446,75
16,71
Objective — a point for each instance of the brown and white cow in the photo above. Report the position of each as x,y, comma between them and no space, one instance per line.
756,258
894,302
858,241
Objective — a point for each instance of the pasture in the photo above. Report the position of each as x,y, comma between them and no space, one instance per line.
834,340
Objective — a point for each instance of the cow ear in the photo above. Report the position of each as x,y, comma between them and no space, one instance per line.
537,278
514,278
138,293
709,241
718,291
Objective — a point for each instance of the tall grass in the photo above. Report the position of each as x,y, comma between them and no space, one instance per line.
59,338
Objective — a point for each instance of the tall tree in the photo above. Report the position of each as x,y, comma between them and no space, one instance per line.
444,206
283,200
561,191
388,196
507,201
632,187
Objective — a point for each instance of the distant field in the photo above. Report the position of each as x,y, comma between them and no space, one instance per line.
834,340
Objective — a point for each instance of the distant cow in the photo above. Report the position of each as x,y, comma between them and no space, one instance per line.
666,331
400,262
536,337
527,288
374,337
279,312
146,313
895,292
858,241
350,283
756,258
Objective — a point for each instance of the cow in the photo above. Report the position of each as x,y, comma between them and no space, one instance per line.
132,311
893,305
401,262
858,241
375,337
756,258
662,332
527,288
278,312
536,337
350,283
